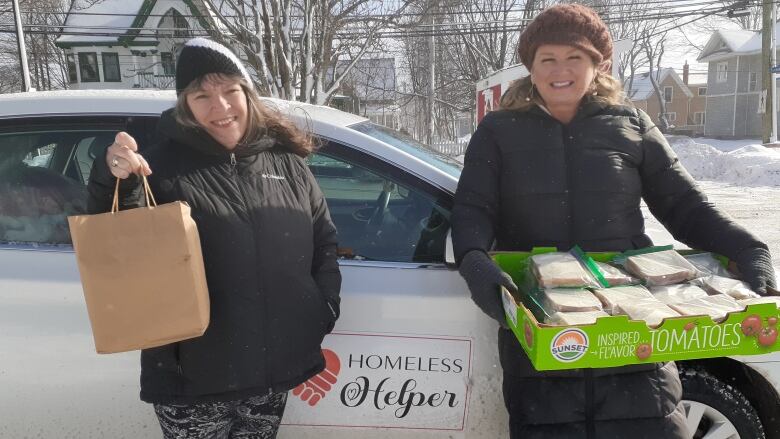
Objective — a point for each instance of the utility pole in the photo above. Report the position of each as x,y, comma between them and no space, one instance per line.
773,76
768,56
431,79
22,48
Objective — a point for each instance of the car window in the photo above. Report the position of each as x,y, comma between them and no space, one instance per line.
44,169
407,144
379,216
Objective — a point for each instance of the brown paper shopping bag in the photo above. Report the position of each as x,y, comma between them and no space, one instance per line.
142,274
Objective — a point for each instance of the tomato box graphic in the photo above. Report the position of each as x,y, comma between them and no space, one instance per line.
569,345
616,341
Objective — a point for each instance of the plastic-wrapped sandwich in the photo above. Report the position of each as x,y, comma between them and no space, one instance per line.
716,306
575,318
651,311
615,276
723,285
707,264
762,299
569,300
664,267
679,293
553,270
612,297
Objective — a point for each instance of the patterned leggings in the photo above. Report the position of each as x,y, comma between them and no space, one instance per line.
253,418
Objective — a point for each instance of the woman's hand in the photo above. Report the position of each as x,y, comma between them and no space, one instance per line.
123,159
484,277
755,268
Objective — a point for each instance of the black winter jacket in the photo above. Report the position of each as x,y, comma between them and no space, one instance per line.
529,181
269,249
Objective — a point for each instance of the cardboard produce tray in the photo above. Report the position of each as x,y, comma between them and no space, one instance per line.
617,341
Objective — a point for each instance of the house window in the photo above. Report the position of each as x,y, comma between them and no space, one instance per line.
752,81
702,91
173,24
698,118
72,74
111,67
668,94
166,59
389,120
386,119
722,71
88,67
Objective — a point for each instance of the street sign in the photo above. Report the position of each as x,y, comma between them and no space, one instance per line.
775,69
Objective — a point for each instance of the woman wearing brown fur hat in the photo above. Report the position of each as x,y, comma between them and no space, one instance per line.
565,162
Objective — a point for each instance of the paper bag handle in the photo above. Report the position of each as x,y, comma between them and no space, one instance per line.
150,201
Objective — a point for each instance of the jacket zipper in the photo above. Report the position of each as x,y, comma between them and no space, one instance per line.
233,163
567,143
567,138
178,359
590,429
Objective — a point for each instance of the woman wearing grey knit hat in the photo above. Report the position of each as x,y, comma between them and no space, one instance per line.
268,242
564,162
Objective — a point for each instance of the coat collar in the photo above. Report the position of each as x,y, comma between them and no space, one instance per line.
199,140
588,107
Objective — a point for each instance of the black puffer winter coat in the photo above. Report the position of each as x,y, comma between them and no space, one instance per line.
531,181
269,248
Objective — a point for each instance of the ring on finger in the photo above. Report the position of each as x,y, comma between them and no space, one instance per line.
114,162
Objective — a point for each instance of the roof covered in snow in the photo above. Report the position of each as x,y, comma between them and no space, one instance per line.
728,43
117,21
642,86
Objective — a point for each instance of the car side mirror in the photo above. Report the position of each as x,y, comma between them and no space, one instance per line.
449,253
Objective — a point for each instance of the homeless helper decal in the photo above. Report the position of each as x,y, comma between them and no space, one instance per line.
373,380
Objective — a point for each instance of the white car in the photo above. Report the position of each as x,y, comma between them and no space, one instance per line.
411,355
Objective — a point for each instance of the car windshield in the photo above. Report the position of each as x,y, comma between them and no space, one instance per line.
408,144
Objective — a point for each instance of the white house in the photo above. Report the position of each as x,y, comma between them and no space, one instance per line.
127,43
734,83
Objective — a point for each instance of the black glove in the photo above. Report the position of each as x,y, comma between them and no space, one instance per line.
484,277
755,267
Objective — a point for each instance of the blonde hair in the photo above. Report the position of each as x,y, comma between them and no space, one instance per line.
262,118
608,91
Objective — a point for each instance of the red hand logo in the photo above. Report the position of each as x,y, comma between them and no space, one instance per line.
313,390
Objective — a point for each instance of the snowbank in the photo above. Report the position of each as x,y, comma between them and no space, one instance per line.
749,165
737,162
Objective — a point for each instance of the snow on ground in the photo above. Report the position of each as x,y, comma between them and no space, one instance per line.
755,208
719,144
739,162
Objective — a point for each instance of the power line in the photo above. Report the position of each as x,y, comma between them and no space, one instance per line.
662,4
420,30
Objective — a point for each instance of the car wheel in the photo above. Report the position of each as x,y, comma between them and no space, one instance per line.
714,409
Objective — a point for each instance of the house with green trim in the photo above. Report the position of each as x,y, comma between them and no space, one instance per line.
127,44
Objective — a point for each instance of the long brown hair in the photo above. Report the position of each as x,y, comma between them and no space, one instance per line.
608,90
262,118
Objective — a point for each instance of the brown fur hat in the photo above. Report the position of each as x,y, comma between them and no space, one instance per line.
567,24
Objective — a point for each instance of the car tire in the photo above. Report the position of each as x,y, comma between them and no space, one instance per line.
716,409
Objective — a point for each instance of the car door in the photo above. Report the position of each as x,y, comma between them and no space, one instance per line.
410,352
53,383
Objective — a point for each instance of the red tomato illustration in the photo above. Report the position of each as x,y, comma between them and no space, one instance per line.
751,325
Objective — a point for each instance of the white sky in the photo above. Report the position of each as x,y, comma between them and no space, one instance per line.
679,48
